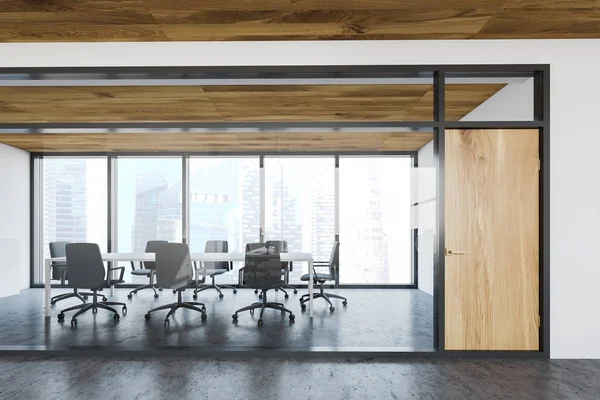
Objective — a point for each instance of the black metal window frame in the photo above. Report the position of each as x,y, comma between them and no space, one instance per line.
111,158
541,121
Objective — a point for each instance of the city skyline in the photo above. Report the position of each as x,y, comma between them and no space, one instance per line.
224,204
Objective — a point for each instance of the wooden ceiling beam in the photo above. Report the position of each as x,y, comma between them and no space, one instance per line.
219,142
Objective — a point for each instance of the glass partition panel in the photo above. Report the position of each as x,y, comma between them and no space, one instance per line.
148,204
300,208
484,97
73,202
375,220
224,201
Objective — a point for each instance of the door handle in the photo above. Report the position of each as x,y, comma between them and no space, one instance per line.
448,252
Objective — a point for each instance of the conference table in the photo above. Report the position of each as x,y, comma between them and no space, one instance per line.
197,257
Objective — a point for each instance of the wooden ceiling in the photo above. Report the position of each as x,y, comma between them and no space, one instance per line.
225,142
268,103
213,20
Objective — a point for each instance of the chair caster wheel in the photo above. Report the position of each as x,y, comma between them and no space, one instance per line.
295,291
255,291
174,291
234,291
287,296
104,299
52,303
124,310
292,317
61,317
344,303
73,323
221,295
94,311
167,323
160,289
260,322
332,309
277,290
116,317
260,296
195,296
303,307
147,316
129,296
204,317
252,311
156,295
234,317
85,297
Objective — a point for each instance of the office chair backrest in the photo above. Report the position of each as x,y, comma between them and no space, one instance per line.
255,246
216,246
57,249
85,266
278,246
151,247
173,266
263,271
334,260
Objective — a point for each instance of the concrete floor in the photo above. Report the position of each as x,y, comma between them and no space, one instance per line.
104,378
385,318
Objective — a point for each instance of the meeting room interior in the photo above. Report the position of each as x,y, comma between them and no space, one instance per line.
282,209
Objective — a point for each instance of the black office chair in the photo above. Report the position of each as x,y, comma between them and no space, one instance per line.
212,269
320,278
174,271
280,246
59,272
262,271
86,270
148,270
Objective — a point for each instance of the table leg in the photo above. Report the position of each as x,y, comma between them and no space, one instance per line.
47,288
310,288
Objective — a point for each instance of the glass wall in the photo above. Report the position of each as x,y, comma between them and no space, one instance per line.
73,202
375,220
300,205
148,206
224,203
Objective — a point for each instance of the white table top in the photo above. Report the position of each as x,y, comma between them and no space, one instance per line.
122,257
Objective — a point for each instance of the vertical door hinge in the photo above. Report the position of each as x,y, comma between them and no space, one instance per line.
539,164
539,321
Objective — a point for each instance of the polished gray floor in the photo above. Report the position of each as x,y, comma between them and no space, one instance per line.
104,378
374,318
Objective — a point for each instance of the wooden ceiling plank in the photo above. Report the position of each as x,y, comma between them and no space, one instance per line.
266,5
217,141
239,103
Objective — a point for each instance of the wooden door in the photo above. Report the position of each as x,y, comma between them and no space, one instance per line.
492,216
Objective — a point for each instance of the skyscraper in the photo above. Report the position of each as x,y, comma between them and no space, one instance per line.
65,200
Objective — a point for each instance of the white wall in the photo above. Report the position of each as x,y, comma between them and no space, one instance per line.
575,84
14,220
425,216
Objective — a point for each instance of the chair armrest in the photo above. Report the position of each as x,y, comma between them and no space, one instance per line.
122,269
197,272
231,265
